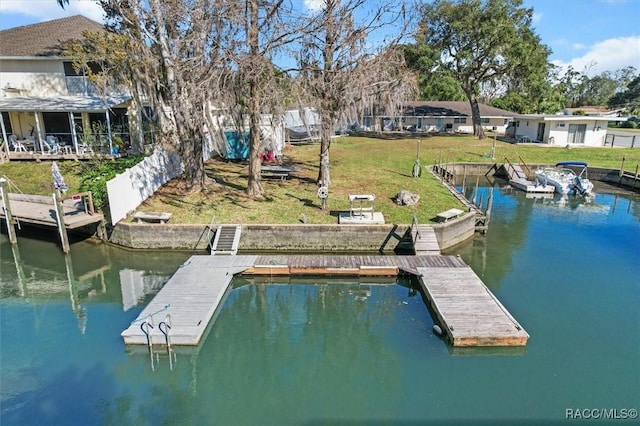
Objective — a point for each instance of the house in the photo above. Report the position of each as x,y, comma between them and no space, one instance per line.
50,107
563,130
440,116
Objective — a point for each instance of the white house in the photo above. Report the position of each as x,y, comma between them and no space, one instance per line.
441,116
43,98
560,130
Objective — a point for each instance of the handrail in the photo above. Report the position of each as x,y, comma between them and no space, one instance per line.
212,225
147,333
414,224
510,165
524,164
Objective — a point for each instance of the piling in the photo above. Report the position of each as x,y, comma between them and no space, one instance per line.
6,205
62,229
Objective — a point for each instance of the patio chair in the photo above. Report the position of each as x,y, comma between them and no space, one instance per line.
84,148
50,145
15,145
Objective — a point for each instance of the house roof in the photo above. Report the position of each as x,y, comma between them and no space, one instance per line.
542,117
62,103
46,38
452,109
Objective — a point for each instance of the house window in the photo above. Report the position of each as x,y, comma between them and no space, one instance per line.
485,120
460,120
76,81
70,71
561,125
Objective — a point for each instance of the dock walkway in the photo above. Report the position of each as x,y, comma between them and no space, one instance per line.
190,299
424,240
464,305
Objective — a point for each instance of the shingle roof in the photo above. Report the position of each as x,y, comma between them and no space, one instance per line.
452,109
46,38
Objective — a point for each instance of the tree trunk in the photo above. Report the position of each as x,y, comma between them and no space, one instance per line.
478,130
254,186
326,130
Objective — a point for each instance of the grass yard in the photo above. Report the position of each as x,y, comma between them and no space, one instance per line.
358,166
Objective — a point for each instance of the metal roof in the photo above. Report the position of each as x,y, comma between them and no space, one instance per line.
62,103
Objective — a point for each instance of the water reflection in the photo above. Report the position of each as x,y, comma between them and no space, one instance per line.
300,351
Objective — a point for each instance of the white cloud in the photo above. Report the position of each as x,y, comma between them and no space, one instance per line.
537,17
46,10
608,55
578,46
314,5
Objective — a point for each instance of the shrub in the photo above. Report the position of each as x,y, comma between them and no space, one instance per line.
96,173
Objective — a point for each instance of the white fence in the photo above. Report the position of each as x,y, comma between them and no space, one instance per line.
129,189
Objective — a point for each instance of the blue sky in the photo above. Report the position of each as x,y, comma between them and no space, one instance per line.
590,35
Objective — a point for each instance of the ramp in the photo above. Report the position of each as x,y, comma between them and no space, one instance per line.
424,240
518,179
226,240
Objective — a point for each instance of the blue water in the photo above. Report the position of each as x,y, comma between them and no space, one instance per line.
311,351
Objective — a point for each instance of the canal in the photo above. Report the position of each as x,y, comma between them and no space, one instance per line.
317,351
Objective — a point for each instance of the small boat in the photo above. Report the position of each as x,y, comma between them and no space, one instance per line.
564,179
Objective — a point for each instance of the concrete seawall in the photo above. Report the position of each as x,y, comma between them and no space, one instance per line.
288,238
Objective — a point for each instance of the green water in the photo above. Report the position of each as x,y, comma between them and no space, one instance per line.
311,351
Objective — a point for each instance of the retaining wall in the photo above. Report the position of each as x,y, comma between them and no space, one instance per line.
289,238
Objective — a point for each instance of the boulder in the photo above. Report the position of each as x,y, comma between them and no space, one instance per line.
406,198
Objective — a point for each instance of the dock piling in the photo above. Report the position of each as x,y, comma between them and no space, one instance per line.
6,206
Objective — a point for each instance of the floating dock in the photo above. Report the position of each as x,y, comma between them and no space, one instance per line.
518,179
470,313
465,307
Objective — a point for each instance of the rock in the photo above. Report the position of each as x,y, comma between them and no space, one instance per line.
406,198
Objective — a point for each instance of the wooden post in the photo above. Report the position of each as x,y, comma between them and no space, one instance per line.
621,171
6,206
633,141
62,230
635,178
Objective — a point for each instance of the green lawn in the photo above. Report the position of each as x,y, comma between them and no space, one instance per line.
358,165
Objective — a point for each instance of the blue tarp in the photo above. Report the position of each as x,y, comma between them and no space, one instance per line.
237,145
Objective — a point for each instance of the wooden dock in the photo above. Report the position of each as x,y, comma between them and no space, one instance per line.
40,210
467,311
196,291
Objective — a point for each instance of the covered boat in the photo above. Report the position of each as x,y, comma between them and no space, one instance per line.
564,179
